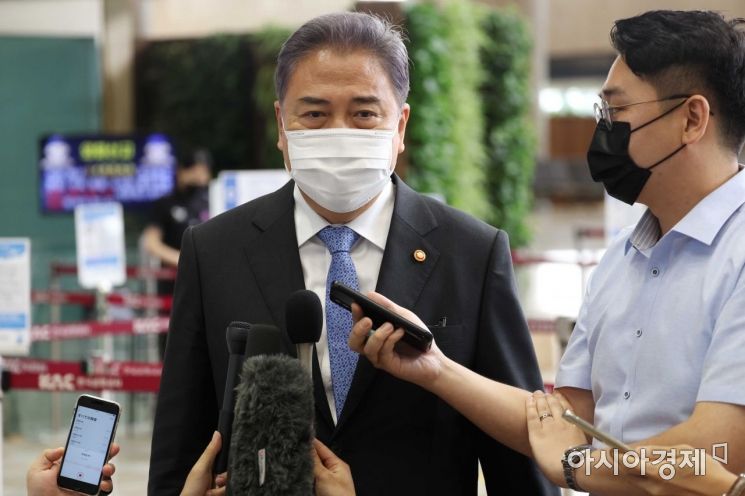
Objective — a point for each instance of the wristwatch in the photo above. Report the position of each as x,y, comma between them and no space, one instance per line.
573,459
738,488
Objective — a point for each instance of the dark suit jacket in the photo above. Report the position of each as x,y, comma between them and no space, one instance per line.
397,438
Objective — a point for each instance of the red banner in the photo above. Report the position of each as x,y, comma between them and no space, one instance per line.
133,272
133,377
82,330
87,299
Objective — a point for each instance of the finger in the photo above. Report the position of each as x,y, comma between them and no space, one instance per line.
531,413
210,452
542,407
107,486
114,450
388,350
108,470
220,491
358,336
565,405
555,406
375,343
221,479
52,455
357,313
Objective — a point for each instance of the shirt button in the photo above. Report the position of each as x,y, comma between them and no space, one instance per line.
655,272
626,395
638,333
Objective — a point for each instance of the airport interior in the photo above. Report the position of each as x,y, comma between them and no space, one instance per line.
107,105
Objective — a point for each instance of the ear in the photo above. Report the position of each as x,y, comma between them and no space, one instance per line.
696,119
405,111
280,128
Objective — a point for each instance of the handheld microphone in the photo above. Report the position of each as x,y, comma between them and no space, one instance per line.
236,336
304,318
273,429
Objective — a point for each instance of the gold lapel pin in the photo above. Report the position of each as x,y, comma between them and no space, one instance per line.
419,256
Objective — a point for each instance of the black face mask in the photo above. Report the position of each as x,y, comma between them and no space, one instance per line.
610,163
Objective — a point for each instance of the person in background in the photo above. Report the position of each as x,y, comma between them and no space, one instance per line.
171,215
41,477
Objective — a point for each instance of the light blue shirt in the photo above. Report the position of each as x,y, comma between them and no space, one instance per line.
662,326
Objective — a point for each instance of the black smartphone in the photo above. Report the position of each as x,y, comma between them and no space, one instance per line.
414,335
92,430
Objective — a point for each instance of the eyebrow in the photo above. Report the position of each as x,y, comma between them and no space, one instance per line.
364,100
612,91
312,100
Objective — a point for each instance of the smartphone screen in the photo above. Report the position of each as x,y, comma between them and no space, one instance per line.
91,433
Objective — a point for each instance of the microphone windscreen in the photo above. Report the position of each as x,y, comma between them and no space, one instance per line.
304,317
236,337
270,453
263,339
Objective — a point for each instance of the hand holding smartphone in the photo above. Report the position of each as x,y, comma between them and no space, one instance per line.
414,335
92,431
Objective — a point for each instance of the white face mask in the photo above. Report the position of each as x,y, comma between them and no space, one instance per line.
340,169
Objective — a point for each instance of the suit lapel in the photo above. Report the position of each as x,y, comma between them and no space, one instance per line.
273,253
274,258
402,278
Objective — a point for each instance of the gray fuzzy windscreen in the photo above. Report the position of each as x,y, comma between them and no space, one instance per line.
273,413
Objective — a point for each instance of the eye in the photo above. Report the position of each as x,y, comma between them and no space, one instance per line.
313,114
366,114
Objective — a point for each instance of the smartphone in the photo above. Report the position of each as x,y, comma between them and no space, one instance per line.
590,429
92,430
414,335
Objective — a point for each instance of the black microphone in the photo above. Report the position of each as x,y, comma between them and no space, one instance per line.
263,339
304,318
236,336
270,453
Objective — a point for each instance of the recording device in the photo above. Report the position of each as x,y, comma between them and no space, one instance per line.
590,429
236,336
270,453
304,318
418,337
92,430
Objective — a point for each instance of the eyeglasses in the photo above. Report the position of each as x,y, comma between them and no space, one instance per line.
604,112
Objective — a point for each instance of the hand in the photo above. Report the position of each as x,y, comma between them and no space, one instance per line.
384,351
332,476
682,480
199,481
550,436
41,478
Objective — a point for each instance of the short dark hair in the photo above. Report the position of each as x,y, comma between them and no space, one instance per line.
189,157
690,52
345,32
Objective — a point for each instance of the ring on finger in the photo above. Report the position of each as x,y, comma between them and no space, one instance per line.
544,416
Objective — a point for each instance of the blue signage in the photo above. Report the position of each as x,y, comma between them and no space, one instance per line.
131,170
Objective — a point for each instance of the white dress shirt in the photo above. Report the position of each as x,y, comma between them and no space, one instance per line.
367,254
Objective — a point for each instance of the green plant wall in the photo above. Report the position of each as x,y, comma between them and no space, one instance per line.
468,137
509,138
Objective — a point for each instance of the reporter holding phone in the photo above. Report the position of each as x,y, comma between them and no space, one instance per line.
656,355
41,477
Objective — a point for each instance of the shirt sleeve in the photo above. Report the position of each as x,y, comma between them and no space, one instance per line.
576,363
724,363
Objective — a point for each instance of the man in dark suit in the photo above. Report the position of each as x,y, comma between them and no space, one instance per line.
342,82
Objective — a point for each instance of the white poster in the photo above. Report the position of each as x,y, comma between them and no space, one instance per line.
233,188
99,239
15,296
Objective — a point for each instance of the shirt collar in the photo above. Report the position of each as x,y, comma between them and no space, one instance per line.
702,223
372,224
